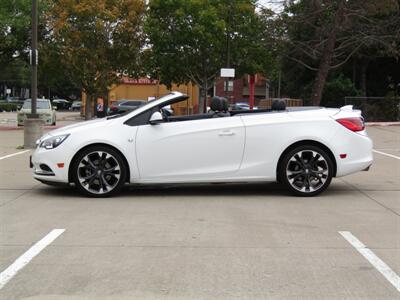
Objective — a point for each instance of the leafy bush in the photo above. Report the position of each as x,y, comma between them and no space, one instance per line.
379,110
9,107
336,89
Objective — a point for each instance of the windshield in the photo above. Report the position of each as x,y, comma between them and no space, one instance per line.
141,106
40,104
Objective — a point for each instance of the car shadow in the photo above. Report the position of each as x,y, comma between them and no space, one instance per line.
243,189
194,190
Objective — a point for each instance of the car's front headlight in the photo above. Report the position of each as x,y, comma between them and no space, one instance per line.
53,141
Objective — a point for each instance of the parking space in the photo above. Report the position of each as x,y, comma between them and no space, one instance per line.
203,242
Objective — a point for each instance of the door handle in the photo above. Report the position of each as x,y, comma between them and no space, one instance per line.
226,133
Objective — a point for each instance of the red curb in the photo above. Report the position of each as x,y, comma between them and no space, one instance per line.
8,128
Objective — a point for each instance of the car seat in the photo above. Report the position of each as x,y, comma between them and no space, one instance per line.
219,107
278,104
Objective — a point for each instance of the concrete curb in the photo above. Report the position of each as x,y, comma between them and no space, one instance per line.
382,123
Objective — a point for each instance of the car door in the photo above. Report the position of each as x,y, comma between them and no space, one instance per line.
193,150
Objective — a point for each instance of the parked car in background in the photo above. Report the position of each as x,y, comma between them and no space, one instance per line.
44,110
17,101
241,106
123,105
76,106
61,104
14,100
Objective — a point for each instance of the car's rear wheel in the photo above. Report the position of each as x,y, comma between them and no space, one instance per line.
99,171
306,170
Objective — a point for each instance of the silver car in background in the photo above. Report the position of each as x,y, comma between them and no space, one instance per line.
44,110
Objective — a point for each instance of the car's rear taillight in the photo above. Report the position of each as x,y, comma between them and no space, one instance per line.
114,108
354,124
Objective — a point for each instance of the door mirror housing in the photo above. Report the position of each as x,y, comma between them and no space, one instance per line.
156,118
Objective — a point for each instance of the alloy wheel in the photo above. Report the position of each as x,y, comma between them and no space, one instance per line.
307,171
99,172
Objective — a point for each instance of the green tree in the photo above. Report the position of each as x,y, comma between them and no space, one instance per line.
15,37
190,40
14,29
323,35
97,40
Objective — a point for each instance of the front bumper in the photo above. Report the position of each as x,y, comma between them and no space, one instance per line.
51,165
48,120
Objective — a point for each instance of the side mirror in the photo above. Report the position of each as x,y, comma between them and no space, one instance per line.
54,107
156,118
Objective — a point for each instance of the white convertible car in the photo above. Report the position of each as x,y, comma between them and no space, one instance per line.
301,147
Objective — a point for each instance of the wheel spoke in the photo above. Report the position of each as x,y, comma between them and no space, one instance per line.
112,170
91,180
299,160
90,162
293,179
88,177
106,185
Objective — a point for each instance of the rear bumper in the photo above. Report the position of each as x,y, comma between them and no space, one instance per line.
358,150
367,168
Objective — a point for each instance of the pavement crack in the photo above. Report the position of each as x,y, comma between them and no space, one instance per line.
370,197
19,196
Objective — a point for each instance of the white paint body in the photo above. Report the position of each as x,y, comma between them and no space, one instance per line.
239,148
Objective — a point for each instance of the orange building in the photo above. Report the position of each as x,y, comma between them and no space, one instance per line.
147,89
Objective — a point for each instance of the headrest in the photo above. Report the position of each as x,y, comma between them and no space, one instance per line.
278,104
219,104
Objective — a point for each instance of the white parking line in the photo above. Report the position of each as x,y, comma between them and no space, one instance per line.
11,155
386,154
374,260
25,258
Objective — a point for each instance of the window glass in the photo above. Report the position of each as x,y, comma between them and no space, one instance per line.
40,104
228,86
133,103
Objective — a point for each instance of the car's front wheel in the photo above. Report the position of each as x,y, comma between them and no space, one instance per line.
306,170
99,171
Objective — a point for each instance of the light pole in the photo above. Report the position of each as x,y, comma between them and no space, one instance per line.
33,125
34,60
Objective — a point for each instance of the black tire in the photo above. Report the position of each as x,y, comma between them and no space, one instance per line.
99,171
306,170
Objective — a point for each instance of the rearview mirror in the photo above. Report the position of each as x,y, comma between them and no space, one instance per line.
156,118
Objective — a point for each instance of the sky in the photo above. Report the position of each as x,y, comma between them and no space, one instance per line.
274,5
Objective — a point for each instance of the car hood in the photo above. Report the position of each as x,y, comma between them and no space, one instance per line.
80,126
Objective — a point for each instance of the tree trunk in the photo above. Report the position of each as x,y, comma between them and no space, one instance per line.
94,103
205,96
202,100
363,76
327,55
105,98
88,106
203,92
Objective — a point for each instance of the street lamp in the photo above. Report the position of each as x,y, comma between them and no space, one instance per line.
33,125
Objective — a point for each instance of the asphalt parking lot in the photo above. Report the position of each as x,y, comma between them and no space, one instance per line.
204,242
